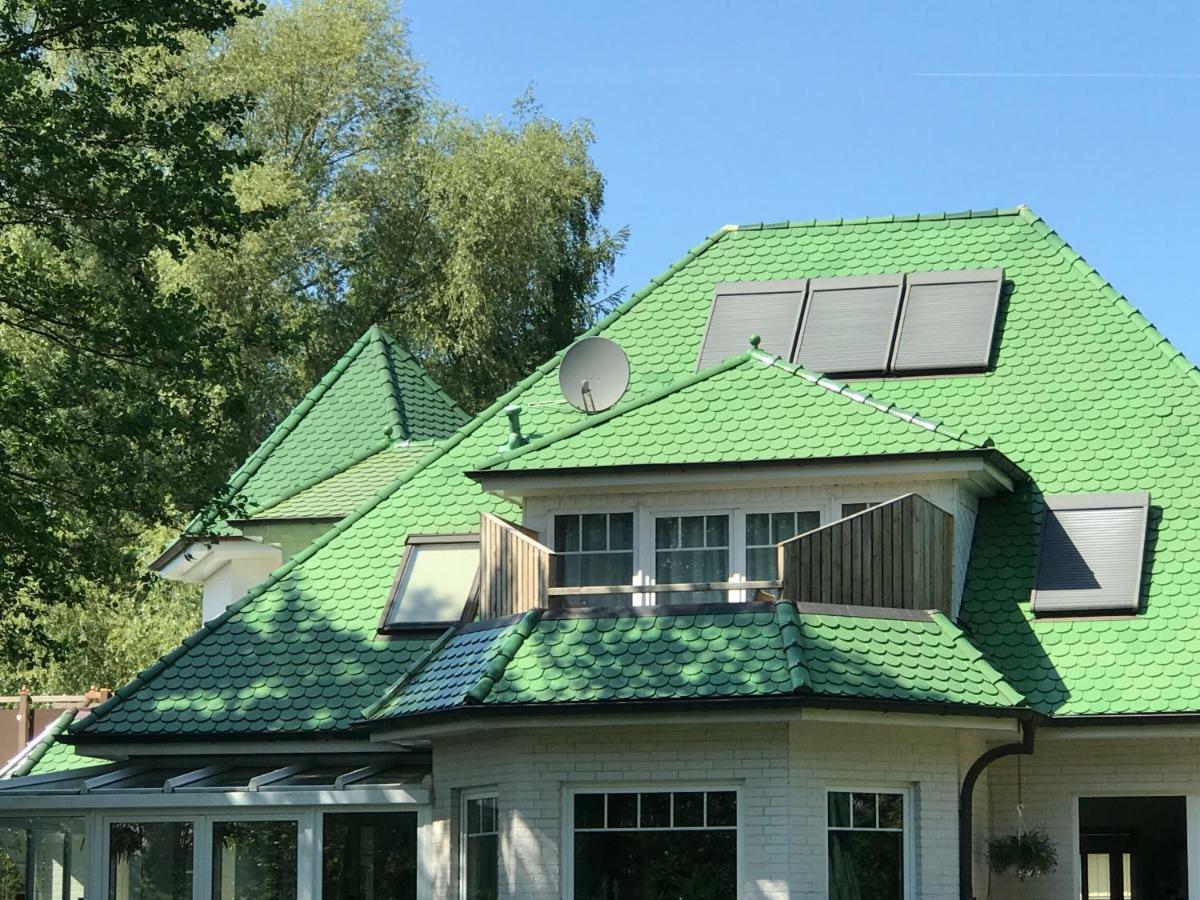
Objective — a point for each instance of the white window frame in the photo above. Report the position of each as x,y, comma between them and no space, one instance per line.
821,509
634,550
735,550
466,797
908,840
306,808
567,843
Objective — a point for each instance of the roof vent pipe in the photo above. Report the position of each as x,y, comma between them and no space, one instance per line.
966,797
515,438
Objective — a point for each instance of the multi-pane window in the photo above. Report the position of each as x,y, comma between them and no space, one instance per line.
866,845
42,858
481,848
691,550
645,845
594,549
764,531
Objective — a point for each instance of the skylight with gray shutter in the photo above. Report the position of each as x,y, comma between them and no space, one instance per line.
947,321
1090,559
849,323
770,309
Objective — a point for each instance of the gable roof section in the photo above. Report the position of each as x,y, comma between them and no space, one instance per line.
374,396
1083,394
714,652
752,407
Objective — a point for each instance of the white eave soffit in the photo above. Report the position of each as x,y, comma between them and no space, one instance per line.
976,472
200,559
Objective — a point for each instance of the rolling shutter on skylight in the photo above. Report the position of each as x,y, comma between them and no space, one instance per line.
948,320
1090,557
849,323
770,309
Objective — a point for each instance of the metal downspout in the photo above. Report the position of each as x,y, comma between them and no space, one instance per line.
966,874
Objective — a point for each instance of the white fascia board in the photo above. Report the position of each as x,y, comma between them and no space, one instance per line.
1006,725
983,477
200,559
1185,730
143,801
225,749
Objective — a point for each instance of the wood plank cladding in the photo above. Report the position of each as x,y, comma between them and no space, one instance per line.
514,568
897,555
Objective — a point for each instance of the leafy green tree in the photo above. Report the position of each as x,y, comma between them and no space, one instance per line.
323,186
105,379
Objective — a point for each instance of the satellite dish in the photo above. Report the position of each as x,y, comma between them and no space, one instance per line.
593,374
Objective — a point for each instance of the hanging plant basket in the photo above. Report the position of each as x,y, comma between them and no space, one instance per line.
1027,854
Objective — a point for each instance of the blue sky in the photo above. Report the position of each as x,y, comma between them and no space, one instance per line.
714,112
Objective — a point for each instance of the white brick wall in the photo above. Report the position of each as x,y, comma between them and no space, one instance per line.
1062,770
783,771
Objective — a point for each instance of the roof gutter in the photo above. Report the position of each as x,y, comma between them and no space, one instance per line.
966,797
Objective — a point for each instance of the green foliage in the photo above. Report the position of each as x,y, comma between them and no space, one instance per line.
196,219
1029,854
110,635
105,379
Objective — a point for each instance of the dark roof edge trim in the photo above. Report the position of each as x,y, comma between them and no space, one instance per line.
616,707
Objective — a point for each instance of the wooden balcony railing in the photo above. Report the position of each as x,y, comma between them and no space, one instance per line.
514,568
898,554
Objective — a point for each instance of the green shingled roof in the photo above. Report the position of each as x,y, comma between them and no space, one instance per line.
374,396
719,652
339,494
47,754
1084,395
751,407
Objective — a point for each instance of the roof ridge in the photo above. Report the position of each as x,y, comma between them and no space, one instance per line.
959,637
400,429
787,617
620,409
1173,353
394,347
404,680
160,665
503,655
882,220
280,432
867,399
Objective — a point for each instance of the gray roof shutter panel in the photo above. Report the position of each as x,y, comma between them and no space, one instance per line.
1090,559
770,309
948,320
849,323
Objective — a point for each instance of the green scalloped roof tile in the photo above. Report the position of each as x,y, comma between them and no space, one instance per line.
720,415
1075,374
375,394
339,494
47,754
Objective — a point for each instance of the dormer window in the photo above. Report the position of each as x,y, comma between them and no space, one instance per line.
436,579
1090,557
894,324
594,549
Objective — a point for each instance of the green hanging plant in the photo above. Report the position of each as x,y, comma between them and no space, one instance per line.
1026,854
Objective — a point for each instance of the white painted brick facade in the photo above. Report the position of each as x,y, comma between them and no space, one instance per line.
1062,770
782,770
